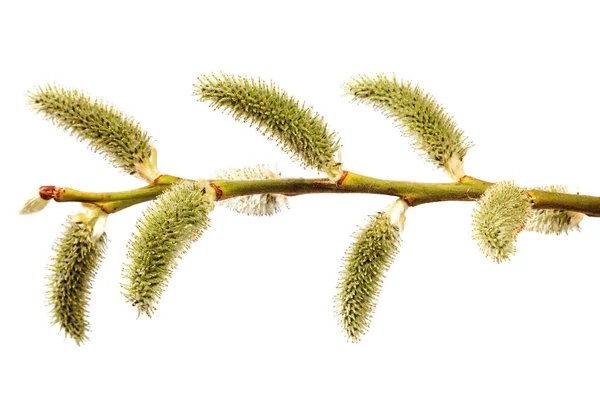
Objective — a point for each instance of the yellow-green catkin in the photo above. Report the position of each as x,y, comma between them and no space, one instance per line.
78,254
259,204
278,116
554,221
103,127
166,230
366,262
420,117
501,213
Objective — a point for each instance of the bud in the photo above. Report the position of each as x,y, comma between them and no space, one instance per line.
365,265
293,126
259,204
78,253
420,117
167,229
554,221
501,213
105,128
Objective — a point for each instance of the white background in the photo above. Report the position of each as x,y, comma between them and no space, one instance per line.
249,311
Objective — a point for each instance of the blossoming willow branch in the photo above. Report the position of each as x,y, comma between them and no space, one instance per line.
180,208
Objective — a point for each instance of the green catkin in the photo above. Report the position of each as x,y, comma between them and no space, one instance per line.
103,127
420,117
77,257
278,116
501,213
366,262
554,221
167,229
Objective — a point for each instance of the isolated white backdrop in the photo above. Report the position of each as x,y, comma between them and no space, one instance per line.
249,311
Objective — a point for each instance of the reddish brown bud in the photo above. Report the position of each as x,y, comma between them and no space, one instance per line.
47,192
51,192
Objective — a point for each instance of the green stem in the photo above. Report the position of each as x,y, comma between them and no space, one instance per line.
414,193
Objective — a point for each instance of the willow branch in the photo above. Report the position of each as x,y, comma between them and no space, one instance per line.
414,193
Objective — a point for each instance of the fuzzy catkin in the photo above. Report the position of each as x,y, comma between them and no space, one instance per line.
167,229
105,128
77,257
501,213
420,117
278,116
554,221
366,262
259,204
